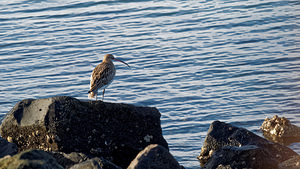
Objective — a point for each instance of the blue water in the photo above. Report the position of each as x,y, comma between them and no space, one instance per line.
196,61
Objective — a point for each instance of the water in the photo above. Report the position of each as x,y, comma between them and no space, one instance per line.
196,61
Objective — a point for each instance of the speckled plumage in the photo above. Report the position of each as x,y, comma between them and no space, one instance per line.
103,75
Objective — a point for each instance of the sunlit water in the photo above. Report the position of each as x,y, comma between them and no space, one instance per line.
196,61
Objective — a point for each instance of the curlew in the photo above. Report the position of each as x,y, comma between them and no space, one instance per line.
103,75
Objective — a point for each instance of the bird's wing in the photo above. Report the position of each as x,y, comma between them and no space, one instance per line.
101,76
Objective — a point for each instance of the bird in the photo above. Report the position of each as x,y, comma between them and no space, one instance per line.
103,75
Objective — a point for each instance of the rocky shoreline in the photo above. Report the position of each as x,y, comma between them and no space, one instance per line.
64,132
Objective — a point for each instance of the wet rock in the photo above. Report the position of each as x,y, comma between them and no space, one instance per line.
280,130
292,163
96,163
226,145
154,156
34,159
117,132
7,148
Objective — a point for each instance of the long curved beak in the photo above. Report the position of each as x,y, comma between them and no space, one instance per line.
121,62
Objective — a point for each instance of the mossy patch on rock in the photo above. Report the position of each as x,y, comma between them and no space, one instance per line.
33,159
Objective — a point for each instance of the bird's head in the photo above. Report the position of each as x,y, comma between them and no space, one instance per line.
110,57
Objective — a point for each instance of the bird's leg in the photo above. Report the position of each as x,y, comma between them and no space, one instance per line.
96,96
103,94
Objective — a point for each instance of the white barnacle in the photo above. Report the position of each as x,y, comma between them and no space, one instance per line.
148,138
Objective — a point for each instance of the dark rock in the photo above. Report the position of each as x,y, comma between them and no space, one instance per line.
7,148
33,159
96,163
156,157
117,132
68,160
79,160
292,163
241,157
280,130
226,145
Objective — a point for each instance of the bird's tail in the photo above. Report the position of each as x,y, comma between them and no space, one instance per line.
91,95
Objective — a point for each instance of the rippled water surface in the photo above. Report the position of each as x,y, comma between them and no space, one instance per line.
196,61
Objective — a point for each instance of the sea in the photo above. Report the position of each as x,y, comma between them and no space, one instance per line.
196,61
